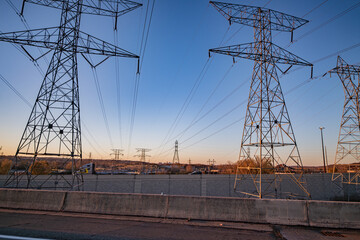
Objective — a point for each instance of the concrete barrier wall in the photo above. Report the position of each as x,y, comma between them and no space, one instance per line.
117,204
319,186
334,214
285,212
32,199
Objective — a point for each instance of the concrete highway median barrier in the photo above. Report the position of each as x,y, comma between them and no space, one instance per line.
288,212
272,211
117,204
32,199
334,214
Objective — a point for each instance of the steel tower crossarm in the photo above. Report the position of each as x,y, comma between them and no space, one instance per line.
344,68
250,51
111,8
246,15
49,38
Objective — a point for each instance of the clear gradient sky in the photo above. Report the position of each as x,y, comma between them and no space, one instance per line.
181,32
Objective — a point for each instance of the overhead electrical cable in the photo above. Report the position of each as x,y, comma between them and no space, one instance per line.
186,52
102,106
197,119
118,89
328,56
328,21
186,103
98,146
214,133
189,98
7,83
137,77
313,9
23,20
213,122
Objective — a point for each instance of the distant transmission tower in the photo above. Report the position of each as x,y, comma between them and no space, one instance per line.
53,128
142,154
348,147
267,128
117,153
176,159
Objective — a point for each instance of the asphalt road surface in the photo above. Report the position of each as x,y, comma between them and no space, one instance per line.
39,225
79,226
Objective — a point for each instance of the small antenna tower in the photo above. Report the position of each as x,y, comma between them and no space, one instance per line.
267,127
176,153
348,147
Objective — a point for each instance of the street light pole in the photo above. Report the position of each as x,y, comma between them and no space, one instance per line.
323,151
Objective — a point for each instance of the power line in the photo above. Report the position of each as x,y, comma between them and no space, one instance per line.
101,101
180,66
329,21
197,119
217,120
137,77
313,9
189,97
118,89
187,101
93,138
209,97
214,133
329,56
15,91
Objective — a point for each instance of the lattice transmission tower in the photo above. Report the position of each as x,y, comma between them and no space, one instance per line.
268,143
53,129
176,159
117,153
142,154
348,147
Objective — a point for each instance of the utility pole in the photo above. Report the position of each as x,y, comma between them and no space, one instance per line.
348,146
176,153
267,127
323,150
53,128
326,158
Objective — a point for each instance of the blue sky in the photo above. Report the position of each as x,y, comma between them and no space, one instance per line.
180,35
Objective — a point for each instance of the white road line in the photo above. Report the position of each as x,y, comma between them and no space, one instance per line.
20,238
